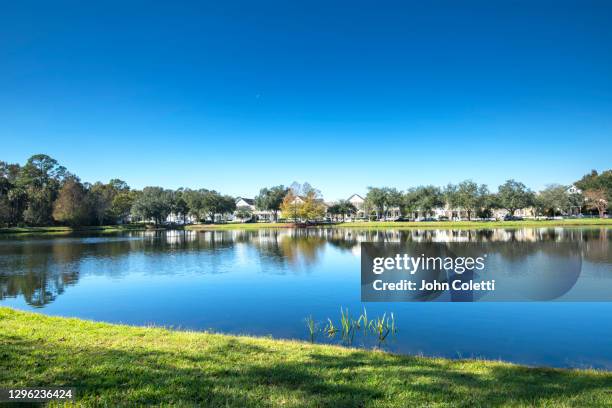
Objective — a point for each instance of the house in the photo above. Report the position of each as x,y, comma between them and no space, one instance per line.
173,218
358,201
249,205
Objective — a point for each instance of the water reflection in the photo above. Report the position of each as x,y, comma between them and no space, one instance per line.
40,269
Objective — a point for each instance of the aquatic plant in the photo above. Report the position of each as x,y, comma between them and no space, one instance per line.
347,326
312,327
330,329
383,326
363,321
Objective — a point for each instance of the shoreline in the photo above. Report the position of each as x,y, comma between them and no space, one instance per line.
120,364
594,222
584,222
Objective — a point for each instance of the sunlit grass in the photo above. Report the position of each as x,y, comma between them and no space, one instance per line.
115,365
59,230
418,225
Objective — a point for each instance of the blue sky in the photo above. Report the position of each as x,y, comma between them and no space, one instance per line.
344,95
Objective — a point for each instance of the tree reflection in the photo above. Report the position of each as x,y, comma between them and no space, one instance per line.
41,269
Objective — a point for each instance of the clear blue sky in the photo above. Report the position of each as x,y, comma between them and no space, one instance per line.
344,95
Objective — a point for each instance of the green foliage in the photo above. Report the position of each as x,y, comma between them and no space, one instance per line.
116,365
514,195
423,199
271,199
553,199
342,208
39,205
597,189
28,196
468,196
71,206
312,327
122,203
243,213
213,203
382,199
154,203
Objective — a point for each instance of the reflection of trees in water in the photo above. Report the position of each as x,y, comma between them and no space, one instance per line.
289,246
596,246
39,273
40,270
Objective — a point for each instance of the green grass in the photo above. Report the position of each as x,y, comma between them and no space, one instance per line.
240,226
69,230
113,365
364,225
407,225
480,224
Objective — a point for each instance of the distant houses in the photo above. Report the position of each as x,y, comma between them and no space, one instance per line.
247,211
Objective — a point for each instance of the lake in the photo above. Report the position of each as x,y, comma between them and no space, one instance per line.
266,282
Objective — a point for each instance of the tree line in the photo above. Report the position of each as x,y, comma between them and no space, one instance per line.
42,192
477,201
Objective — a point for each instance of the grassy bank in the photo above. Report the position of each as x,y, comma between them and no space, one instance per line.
233,226
419,225
128,366
365,225
481,224
69,230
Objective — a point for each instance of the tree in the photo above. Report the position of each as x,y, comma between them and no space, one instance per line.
334,211
101,198
410,202
552,199
244,213
291,206
382,199
122,204
119,185
467,195
41,170
345,207
71,206
424,198
489,202
597,187
154,203
597,199
40,178
13,198
271,199
5,211
193,198
313,207
39,208
377,199
214,203
180,205
303,202
513,195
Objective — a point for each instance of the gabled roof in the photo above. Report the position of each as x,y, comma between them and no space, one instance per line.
249,201
355,195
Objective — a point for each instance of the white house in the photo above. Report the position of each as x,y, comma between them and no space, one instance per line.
249,204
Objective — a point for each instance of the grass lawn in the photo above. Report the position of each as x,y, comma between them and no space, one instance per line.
58,230
238,225
481,224
419,225
113,365
68,230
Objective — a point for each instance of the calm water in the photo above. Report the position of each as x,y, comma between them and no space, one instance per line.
265,282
